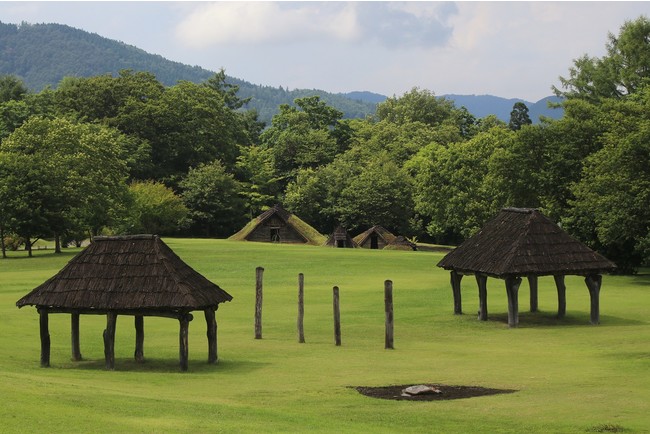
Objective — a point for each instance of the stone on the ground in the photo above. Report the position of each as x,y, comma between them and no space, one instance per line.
420,389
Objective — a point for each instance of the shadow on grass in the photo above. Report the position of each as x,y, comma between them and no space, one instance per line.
158,366
572,319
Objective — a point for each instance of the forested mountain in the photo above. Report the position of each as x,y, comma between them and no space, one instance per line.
42,54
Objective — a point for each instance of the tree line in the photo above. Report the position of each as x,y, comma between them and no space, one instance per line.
127,154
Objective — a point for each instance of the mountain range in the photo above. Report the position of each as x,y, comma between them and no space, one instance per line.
43,54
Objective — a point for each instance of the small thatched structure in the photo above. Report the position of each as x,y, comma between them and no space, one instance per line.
524,243
401,243
277,225
376,237
136,275
340,238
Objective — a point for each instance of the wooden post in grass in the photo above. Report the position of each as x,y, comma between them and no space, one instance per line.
301,308
259,272
388,308
337,317
139,338
74,325
45,337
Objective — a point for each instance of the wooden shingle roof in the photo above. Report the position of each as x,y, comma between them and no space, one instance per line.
137,272
522,242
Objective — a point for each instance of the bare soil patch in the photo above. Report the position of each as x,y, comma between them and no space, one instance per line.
446,392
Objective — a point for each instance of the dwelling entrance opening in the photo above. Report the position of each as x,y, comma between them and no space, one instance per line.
374,241
275,235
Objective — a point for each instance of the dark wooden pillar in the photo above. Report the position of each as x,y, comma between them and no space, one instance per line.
388,309
109,340
593,282
512,289
183,347
259,273
301,308
139,338
561,295
532,284
337,316
211,322
455,287
74,333
45,337
481,280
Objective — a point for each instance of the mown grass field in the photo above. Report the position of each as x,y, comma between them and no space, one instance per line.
570,376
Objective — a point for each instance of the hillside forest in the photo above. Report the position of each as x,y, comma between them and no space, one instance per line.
128,154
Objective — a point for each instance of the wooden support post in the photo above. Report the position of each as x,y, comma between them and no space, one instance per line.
211,333
259,272
109,340
593,282
512,289
183,346
481,280
337,317
45,337
139,338
561,295
388,309
532,284
74,333
455,287
301,308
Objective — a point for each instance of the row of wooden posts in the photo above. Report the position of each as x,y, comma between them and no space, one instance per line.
388,309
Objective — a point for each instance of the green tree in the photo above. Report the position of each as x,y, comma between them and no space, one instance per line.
72,174
417,105
624,70
380,195
11,88
610,210
211,195
259,181
153,209
519,116
451,193
309,135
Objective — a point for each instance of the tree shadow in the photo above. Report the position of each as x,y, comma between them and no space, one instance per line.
158,366
571,319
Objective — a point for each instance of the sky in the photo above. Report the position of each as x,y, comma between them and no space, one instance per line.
506,49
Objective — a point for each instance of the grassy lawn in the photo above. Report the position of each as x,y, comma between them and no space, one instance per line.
570,376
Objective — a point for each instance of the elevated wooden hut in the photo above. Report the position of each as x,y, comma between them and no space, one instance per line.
521,242
136,275
376,237
340,238
277,225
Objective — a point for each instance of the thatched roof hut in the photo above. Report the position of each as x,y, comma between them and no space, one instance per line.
135,275
376,237
522,242
277,225
340,238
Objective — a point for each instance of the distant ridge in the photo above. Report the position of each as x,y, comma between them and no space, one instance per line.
43,54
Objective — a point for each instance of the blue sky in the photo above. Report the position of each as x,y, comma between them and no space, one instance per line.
507,49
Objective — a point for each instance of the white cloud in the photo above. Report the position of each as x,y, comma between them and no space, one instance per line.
267,23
